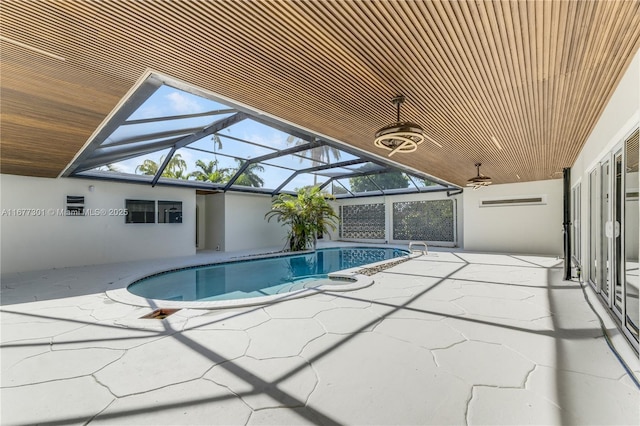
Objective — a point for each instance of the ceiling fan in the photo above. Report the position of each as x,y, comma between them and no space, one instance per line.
479,180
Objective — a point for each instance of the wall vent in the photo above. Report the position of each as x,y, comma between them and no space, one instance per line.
514,201
75,205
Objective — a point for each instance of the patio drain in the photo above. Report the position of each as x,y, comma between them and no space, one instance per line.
160,314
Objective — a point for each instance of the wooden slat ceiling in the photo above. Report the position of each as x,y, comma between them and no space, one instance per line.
534,75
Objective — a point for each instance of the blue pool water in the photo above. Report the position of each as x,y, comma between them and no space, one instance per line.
257,277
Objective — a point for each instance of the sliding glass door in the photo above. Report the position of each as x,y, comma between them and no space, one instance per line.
617,274
594,215
614,232
606,230
631,234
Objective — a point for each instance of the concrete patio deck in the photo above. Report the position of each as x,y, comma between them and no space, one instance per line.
447,338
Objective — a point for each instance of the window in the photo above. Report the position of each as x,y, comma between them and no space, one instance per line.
140,211
169,211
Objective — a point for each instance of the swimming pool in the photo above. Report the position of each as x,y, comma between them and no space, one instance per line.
257,277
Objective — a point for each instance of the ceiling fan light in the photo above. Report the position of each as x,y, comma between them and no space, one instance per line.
479,181
401,136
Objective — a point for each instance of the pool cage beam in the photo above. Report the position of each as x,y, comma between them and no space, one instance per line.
207,131
282,153
119,151
95,154
357,174
345,188
447,188
413,181
180,133
317,168
179,117
124,154
285,128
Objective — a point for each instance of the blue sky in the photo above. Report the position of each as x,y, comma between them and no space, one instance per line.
168,101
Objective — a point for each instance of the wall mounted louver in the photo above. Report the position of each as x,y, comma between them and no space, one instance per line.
74,205
401,136
479,180
514,201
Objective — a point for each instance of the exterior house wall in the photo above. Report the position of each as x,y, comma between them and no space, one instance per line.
214,221
245,226
51,240
526,229
202,220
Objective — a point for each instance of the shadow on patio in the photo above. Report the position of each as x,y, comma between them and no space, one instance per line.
451,338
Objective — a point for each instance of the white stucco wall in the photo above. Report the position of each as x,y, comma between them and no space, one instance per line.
214,221
245,225
528,229
57,241
202,220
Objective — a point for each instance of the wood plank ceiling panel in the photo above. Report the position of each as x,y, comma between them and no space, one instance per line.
533,75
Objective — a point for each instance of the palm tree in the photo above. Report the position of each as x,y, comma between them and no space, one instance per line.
249,177
175,169
217,142
308,214
209,172
148,167
177,174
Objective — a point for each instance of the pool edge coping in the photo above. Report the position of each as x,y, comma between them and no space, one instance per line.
119,292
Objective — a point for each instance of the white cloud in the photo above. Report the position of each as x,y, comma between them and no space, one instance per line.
149,111
127,166
182,104
273,140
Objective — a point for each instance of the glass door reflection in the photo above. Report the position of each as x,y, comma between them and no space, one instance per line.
631,234
617,259
606,231
593,229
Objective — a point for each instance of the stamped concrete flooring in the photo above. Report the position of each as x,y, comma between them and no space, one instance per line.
448,338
